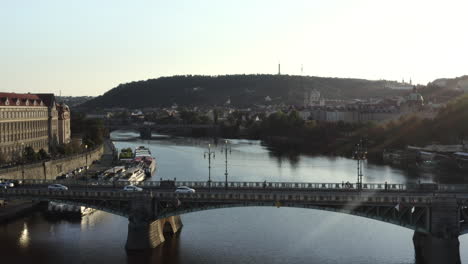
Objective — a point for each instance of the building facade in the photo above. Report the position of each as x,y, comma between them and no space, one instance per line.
31,120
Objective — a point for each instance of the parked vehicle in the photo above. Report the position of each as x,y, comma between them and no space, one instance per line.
184,189
10,183
3,185
132,188
16,182
57,187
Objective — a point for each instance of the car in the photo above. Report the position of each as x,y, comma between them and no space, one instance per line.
132,188
57,187
7,183
184,189
16,182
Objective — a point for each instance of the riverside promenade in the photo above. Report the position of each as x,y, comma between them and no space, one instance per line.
12,209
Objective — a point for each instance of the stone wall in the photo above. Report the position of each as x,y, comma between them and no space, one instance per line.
49,170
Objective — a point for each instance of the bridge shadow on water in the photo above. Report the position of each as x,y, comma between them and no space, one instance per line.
167,252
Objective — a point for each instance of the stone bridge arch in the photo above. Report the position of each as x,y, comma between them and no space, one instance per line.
415,219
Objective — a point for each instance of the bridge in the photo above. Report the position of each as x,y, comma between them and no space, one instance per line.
437,213
145,130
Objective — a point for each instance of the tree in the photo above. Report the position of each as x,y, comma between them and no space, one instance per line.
2,158
42,154
94,132
29,155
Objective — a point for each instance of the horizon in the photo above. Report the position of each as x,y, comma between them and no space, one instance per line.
246,74
87,48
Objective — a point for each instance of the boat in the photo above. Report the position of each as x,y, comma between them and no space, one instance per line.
126,154
113,173
62,210
133,174
143,156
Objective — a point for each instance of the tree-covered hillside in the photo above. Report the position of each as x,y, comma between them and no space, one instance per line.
242,90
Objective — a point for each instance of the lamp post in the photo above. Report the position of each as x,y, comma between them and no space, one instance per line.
86,168
360,153
209,153
227,147
22,160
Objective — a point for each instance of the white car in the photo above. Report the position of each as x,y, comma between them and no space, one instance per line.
132,188
57,187
184,189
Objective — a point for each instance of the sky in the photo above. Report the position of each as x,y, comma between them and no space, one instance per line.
88,47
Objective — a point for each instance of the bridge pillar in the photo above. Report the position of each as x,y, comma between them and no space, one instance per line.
431,249
146,235
143,231
175,224
441,245
145,132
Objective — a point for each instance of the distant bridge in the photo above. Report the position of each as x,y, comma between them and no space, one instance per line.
438,213
173,129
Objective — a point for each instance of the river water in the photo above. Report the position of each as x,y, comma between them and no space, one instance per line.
233,235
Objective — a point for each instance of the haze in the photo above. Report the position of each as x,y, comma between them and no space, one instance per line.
88,47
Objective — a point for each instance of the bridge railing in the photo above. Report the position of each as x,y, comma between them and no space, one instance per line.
222,185
427,187
71,194
291,185
81,183
453,187
330,197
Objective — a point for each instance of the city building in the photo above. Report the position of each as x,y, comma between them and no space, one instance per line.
399,85
31,120
312,98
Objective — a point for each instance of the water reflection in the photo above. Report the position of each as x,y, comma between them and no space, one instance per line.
235,235
292,157
24,238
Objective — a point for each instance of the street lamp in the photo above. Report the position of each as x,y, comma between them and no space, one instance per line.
209,153
360,154
227,147
86,168
22,160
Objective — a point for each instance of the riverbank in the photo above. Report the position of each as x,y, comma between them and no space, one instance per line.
13,209
49,170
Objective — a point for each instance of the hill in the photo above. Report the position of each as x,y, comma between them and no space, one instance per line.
444,89
241,90
458,83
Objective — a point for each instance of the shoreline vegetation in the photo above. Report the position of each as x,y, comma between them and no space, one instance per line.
288,132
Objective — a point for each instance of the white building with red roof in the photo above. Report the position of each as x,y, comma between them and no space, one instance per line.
34,120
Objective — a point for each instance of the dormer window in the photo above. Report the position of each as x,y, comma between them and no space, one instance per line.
35,103
26,102
41,104
18,101
7,102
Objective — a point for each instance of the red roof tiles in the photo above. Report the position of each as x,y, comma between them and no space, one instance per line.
14,99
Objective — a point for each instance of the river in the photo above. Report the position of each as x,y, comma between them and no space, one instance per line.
233,235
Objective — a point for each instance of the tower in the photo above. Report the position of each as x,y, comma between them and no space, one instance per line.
279,68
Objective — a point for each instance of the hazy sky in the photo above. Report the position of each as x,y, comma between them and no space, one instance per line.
87,47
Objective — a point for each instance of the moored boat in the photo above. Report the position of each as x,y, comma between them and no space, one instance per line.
143,155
